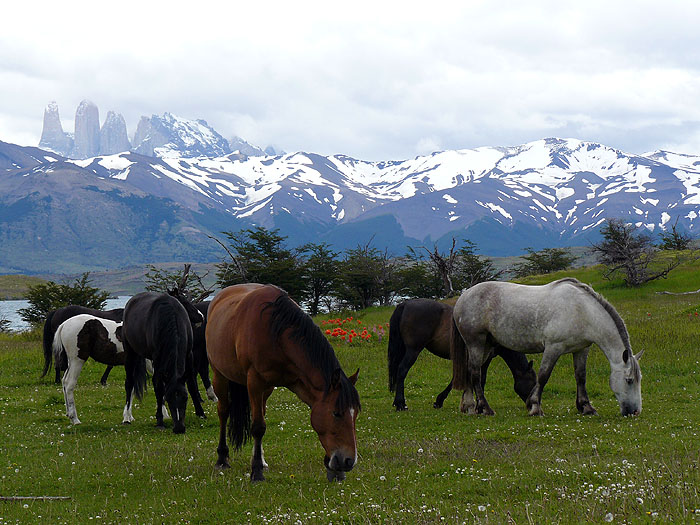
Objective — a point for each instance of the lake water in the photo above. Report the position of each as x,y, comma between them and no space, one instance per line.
8,310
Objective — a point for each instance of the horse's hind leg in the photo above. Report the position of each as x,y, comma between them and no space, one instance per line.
206,383
475,364
258,395
583,404
407,362
70,379
221,386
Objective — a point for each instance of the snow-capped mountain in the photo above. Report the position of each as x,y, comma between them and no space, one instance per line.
550,192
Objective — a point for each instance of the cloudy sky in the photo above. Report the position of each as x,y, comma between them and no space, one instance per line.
374,80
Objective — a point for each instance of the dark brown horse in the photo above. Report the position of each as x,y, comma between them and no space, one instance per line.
424,323
258,339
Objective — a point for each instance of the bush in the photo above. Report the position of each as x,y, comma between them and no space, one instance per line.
46,297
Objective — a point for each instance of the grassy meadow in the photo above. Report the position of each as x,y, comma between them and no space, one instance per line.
419,466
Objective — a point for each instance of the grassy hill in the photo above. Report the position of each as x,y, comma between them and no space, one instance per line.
419,466
16,286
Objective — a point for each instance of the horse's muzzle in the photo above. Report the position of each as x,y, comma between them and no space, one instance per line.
337,465
629,411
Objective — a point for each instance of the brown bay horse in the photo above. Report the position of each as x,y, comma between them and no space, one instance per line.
258,339
424,323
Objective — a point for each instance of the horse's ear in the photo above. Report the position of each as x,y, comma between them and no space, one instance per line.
335,378
118,334
353,378
625,355
529,365
639,355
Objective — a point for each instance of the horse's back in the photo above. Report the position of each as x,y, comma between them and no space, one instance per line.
524,317
86,335
425,323
149,317
234,327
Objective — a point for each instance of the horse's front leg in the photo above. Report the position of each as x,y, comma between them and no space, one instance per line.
159,389
103,379
475,365
583,404
407,362
440,400
549,359
191,380
70,379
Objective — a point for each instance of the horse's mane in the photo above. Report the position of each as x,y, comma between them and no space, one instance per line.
285,314
619,323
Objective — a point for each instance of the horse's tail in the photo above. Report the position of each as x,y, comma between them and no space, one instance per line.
397,347
48,344
172,348
56,346
460,361
136,367
239,414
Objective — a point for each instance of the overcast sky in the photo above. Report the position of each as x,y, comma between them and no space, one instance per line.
373,80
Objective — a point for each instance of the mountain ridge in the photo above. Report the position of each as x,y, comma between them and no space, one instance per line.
546,193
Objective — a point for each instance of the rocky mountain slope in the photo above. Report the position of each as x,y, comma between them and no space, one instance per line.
126,208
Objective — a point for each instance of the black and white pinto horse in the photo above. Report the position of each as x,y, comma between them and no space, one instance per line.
54,319
159,327
565,316
79,338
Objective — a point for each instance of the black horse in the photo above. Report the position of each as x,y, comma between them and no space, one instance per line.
200,361
159,327
55,319
424,323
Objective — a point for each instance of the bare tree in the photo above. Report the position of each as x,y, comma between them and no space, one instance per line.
624,251
675,239
444,264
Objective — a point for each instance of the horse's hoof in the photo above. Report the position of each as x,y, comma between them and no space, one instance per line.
222,465
202,416
126,422
535,411
437,405
255,477
588,410
401,408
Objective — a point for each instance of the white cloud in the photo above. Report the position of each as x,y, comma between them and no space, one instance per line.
372,79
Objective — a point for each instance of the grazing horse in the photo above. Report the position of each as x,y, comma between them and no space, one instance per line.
79,338
565,316
54,320
257,339
424,323
159,327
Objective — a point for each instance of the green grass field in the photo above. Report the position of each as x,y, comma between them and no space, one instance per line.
423,465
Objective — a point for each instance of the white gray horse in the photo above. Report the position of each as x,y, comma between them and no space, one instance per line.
565,316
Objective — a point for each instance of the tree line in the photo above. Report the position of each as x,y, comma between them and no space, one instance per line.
321,278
